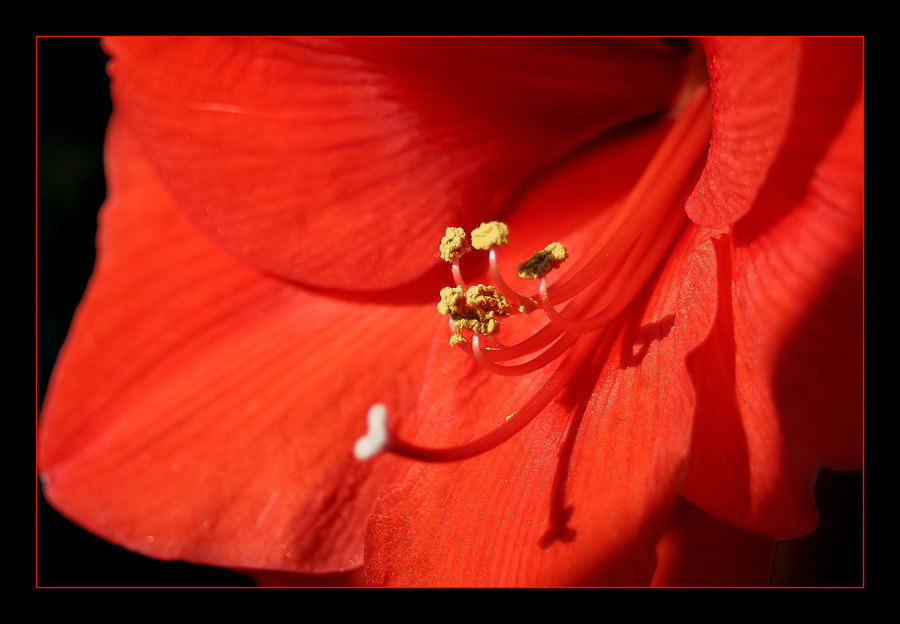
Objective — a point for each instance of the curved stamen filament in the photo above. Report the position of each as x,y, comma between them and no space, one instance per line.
582,326
556,349
537,341
457,275
514,297
504,431
623,287
639,235
454,330
659,186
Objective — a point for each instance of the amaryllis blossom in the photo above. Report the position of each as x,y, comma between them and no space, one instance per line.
270,273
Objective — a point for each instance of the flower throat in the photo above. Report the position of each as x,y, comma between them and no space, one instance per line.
617,266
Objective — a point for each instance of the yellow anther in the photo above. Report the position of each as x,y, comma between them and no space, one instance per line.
453,301
454,244
542,262
456,339
489,235
485,325
487,299
476,310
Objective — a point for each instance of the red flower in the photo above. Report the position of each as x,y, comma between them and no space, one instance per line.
267,271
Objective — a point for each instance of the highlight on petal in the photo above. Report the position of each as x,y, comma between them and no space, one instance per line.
205,412
338,163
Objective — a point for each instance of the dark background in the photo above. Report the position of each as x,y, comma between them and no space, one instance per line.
73,107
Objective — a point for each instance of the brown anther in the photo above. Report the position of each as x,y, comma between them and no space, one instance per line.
542,262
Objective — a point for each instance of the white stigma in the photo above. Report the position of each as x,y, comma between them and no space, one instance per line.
376,437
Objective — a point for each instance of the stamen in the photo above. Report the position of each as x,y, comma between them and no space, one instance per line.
525,303
456,337
558,348
542,262
507,429
658,188
635,240
572,326
616,292
537,341
457,275
487,299
476,310
489,235
454,244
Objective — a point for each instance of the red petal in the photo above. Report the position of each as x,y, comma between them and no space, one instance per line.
753,83
368,148
780,379
206,412
581,495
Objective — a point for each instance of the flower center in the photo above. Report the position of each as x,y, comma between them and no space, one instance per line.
615,268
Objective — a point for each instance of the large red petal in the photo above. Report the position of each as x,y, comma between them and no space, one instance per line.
203,411
581,495
753,86
367,149
780,379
